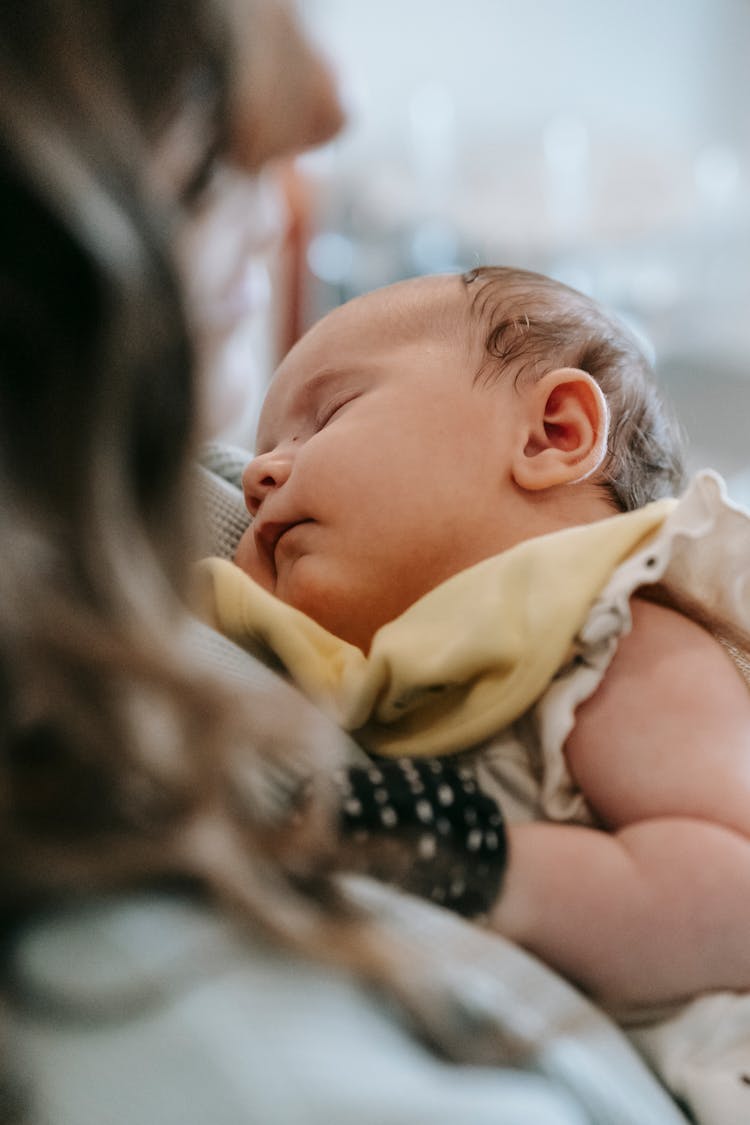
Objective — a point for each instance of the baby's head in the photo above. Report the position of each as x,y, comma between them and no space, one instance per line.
429,425
532,323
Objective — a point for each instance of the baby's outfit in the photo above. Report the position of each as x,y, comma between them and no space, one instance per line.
514,645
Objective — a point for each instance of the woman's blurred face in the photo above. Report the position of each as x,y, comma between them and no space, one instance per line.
283,97
225,252
282,100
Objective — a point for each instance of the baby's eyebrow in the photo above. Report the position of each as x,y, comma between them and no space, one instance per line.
320,381
323,382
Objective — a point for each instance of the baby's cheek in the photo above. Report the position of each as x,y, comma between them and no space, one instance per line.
246,558
245,549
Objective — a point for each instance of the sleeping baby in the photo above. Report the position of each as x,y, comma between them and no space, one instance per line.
465,546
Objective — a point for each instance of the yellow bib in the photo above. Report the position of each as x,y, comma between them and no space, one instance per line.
461,663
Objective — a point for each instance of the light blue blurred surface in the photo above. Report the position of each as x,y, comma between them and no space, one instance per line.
153,1010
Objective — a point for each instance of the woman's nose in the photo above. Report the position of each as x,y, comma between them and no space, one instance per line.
264,474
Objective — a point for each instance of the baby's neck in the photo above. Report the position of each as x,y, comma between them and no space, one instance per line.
544,512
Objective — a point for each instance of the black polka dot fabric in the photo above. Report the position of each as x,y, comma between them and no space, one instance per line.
426,826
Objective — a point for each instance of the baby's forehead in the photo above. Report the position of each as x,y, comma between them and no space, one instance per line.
420,306
420,310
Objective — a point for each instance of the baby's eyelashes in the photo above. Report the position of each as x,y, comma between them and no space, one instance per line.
331,408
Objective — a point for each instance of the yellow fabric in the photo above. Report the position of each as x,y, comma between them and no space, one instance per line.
461,663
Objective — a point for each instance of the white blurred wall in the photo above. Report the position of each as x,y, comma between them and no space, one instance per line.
657,66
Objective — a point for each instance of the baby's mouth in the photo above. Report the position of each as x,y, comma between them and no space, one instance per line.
285,531
269,534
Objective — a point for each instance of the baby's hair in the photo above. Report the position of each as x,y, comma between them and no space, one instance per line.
535,324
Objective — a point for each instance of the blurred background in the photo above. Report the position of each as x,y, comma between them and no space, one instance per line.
607,144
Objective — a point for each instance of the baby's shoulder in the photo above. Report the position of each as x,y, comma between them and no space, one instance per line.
667,642
667,731
677,671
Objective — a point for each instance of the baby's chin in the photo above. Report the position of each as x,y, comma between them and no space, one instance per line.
324,601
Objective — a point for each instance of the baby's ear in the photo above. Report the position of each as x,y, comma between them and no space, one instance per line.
564,439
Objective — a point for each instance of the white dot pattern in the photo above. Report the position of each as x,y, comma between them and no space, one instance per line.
449,833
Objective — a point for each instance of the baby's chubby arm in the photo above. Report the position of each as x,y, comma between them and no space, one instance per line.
657,906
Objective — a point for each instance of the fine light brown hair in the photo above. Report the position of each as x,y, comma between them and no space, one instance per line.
534,324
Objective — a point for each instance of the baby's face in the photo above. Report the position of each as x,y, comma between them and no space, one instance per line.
382,469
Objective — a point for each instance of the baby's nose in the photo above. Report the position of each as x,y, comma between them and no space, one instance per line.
263,475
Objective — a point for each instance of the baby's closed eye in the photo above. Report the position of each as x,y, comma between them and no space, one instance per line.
332,407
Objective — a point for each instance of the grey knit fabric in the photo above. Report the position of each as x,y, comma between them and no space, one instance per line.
225,461
219,489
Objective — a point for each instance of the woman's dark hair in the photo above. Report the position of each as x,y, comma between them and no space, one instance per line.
534,324
96,403
96,395
117,745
